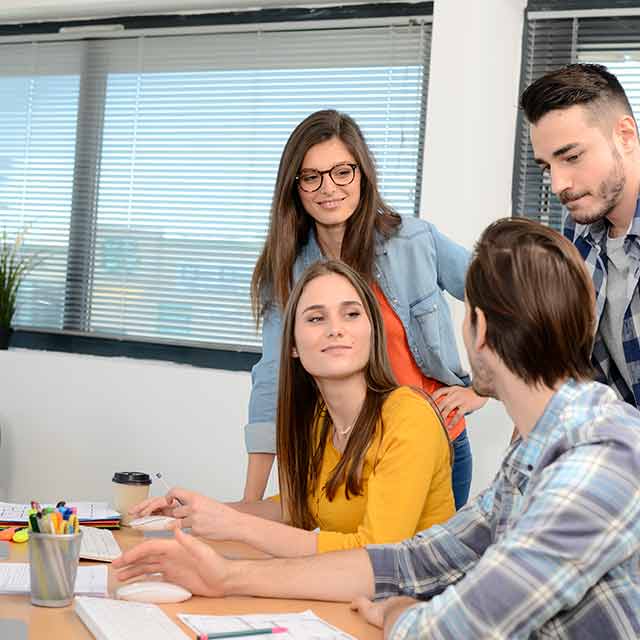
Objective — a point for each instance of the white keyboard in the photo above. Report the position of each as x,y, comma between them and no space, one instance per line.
98,544
123,620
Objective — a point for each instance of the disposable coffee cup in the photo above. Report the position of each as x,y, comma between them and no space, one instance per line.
129,488
53,565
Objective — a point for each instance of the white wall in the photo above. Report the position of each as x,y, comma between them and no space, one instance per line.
101,415
69,421
469,150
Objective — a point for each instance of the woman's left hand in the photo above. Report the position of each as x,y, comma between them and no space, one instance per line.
463,399
206,517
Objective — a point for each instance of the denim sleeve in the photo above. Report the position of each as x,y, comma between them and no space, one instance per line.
260,432
452,263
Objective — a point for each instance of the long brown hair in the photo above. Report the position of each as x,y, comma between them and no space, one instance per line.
290,224
302,422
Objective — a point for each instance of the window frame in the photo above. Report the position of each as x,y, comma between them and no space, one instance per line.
539,11
77,302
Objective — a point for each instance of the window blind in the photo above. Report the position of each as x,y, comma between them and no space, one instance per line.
142,168
551,43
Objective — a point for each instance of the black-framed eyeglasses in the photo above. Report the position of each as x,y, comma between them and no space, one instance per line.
342,174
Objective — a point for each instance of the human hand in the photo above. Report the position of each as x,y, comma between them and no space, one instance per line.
185,561
372,612
383,613
206,517
160,505
455,402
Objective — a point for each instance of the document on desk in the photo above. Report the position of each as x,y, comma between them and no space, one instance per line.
299,625
15,578
11,512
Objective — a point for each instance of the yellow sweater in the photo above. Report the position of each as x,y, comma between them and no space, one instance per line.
406,480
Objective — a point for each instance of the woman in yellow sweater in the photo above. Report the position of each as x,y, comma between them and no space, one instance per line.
361,460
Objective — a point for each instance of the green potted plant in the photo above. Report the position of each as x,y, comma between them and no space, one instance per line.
13,267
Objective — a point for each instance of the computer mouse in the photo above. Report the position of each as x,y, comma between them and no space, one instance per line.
152,523
153,592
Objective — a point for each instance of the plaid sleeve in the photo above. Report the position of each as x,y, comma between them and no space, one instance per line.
433,559
581,521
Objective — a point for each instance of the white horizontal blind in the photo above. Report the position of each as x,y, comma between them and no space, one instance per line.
144,167
552,43
38,119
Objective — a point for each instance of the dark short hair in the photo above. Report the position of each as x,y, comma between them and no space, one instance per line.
589,85
537,298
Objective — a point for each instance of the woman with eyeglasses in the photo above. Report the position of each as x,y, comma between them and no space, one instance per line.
326,205
360,459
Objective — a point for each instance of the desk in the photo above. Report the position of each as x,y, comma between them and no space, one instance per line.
46,622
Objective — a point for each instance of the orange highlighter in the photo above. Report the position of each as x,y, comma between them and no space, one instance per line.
15,534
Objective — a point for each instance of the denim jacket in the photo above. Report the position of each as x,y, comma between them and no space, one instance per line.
412,268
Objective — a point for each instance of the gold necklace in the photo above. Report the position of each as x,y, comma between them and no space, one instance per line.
346,431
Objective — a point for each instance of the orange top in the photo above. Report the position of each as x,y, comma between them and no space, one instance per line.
404,367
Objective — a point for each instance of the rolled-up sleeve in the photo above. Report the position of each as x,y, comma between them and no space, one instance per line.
432,560
580,522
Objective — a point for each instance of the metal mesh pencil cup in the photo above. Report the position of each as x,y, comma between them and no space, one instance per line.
53,564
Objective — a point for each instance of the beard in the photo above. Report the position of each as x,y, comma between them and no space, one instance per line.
482,379
609,193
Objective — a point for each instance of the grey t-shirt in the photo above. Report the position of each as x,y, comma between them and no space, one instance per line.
617,301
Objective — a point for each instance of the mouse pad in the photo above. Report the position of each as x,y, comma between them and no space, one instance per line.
13,630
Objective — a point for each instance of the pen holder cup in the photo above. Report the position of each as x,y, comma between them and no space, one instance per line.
53,564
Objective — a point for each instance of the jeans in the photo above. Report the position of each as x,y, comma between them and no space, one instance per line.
461,470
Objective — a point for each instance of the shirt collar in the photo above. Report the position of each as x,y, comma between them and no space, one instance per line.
596,233
312,251
524,455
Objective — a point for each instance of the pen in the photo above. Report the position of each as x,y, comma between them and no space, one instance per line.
242,634
166,486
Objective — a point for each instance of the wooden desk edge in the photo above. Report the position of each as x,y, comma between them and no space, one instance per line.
64,623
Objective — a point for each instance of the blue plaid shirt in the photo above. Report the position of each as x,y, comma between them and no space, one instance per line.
551,549
591,242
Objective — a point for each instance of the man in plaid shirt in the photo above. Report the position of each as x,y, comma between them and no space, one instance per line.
584,135
552,548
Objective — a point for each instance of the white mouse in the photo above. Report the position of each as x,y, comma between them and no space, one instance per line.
152,523
154,592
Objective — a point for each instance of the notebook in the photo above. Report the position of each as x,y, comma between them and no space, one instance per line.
97,514
98,544
110,619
